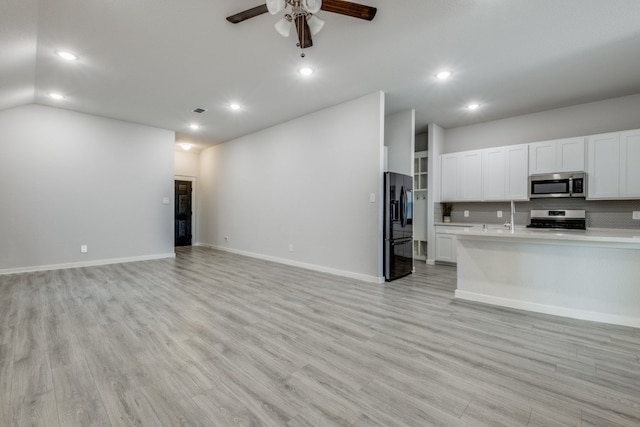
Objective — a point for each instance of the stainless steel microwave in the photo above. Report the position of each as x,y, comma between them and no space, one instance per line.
564,184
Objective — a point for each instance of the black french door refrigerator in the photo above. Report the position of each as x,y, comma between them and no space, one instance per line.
398,225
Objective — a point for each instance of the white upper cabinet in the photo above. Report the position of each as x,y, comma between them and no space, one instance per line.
571,154
471,175
543,157
517,173
613,171
461,176
603,177
505,173
492,174
630,164
449,177
561,155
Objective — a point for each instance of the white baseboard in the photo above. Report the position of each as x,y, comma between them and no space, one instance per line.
431,261
573,313
84,264
314,267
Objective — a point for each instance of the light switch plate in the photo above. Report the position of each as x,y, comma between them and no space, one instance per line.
499,214
372,197
165,200
636,215
466,214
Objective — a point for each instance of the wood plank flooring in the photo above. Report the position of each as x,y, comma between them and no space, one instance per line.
214,339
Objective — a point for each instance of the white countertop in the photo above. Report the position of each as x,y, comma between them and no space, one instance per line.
603,235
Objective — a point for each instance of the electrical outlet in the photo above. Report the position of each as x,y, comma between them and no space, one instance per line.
499,214
466,214
226,238
84,249
290,247
635,215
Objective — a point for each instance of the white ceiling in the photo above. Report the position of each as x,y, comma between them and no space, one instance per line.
153,61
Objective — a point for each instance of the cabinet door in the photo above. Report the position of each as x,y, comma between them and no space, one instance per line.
517,173
493,174
445,247
571,155
603,175
630,164
471,175
543,157
449,175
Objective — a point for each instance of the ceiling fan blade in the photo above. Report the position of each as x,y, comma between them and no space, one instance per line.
247,14
350,9
304,33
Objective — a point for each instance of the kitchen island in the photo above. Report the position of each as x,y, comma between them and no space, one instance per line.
583,274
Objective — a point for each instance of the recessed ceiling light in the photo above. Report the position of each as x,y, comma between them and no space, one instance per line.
443,75
194,126
66,55
306,71
473,106
185,146
234,106
56,96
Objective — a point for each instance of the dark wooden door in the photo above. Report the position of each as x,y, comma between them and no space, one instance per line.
183,213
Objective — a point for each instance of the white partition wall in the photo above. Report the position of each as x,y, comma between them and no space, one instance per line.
301,192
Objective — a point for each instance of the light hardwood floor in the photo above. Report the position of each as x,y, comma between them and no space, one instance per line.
217,339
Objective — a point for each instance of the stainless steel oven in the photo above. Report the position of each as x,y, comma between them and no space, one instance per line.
564,184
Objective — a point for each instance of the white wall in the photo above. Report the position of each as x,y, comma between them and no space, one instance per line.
585,119
69,179
399,137
305,183
421,142
187,163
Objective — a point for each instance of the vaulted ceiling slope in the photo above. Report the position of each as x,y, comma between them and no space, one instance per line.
153,61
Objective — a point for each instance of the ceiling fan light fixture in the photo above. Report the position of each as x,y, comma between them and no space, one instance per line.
443,75
315,24
275,6
312,6
283,26
473,106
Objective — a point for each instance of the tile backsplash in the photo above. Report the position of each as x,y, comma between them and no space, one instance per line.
600,213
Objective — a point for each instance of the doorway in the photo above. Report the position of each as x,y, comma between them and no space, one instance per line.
182,214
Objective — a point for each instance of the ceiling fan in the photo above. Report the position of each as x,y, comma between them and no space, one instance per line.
302,13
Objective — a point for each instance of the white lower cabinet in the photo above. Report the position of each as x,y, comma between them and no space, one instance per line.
445,247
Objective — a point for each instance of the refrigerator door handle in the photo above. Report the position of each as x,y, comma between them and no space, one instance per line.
403,208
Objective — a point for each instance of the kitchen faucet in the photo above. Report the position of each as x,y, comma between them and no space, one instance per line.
512,221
